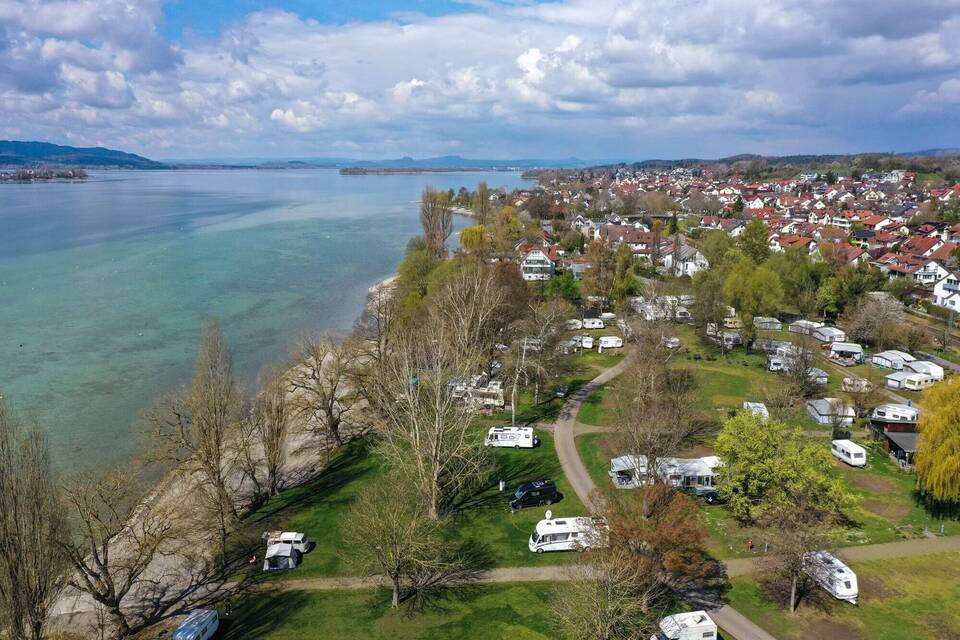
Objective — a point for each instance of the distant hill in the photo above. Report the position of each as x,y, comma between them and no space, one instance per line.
16,153
458,162
933,153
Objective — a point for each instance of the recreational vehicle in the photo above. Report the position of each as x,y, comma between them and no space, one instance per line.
586,342
533,494
832,575
610,342
201,624
281,557
847,354
828,334
298,541
574,324
568,534
630,472
804,327
891,359
831,411
758,409
909,381
692,625
925,367
593,323
895,414
516,437
849,452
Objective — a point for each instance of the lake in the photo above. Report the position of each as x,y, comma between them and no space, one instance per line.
104,284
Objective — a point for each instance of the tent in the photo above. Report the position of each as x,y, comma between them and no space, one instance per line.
281,557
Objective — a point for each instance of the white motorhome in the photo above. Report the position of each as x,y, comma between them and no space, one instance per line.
298,541
574,324
568,534
891,359
201,624
692,625
832,575
516,437
610,342
593,323
849,452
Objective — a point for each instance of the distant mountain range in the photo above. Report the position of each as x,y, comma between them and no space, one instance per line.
15,153
406,162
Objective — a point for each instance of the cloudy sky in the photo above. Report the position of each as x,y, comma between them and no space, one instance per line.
596,79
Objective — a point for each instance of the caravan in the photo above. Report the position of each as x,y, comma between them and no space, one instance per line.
201,624
610,342
692,625
593,323
516,437
849,452
574,324
831,574
568,534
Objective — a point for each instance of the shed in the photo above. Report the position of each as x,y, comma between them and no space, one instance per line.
902,445
828,334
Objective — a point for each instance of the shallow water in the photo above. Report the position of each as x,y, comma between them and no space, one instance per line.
104,284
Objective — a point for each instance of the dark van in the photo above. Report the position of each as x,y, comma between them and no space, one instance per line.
534,494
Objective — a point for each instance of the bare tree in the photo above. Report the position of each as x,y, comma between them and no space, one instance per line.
799,365
468,304
436,217
794,533
876,319
427,433
31,565
372,330
321,380
389,532
265,433
200,430
110,550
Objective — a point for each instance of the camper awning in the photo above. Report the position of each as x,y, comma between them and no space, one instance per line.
846,347
629,463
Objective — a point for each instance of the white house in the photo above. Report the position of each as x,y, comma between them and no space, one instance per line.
891,359
831,411
536,265
691,261
946,293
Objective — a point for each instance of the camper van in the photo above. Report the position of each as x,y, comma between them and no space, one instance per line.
568,534
299,541
692,625
849,452
516,437
586,342
593,323
199,625
533,494
574,324
831,574
610,342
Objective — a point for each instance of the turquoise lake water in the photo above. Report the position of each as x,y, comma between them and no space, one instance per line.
104,284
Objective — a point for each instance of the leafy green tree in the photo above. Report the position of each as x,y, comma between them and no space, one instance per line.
753,241
828,296
563,286
709,305
753,290
715,246
938,451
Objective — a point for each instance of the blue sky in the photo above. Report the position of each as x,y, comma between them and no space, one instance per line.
597,79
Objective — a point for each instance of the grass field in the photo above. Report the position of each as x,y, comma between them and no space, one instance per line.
481,612
900,599
318,507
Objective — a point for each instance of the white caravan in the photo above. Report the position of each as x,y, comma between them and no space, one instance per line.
895,413
574,324
849,452
691,625
593,323
568,534
298,541
831,574
201,624
516,437
611,342
586,342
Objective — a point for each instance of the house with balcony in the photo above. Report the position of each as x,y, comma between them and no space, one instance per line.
946,293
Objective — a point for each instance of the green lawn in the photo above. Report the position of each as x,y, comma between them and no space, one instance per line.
900,599
318,507
482,612
592,448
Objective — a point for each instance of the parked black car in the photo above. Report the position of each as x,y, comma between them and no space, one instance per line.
709,494
534,494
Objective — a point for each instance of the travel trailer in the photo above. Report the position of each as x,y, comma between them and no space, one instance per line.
299,541
630,471
281,557
574,325
606,316
610,342
832,575
925,367
199,625
909,381
593,323
568,534
692,625
758,409
586,342
849,452
516,437
891,359
895,414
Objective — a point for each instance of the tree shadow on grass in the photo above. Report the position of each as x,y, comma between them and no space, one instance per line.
261,614
514,469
